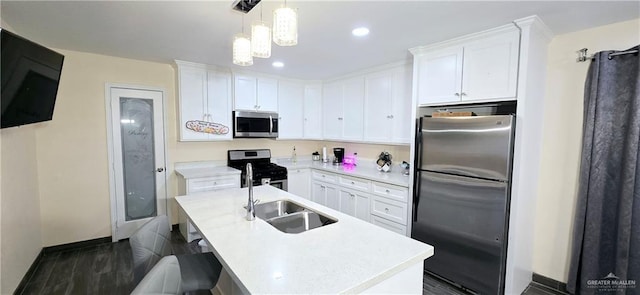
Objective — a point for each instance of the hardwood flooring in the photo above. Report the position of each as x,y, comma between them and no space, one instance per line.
107,269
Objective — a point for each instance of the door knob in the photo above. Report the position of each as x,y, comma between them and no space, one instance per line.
160,169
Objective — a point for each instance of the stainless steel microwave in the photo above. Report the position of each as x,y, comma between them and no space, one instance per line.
255,124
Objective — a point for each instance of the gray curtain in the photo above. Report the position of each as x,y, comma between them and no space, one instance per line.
606,241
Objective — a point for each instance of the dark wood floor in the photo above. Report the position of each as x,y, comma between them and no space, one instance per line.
106,269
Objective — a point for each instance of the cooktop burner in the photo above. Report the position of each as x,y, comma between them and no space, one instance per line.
261,163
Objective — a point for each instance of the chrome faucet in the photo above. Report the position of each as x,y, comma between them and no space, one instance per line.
251,211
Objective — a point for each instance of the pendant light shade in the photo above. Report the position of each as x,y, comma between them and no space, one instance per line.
242,50
285,26
260,40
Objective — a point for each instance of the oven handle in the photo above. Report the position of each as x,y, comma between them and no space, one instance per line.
270,124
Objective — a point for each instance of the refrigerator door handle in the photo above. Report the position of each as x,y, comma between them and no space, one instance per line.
416,194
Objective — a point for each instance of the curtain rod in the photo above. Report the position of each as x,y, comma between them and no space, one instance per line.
582,54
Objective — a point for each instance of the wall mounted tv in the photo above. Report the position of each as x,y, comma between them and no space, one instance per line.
30,76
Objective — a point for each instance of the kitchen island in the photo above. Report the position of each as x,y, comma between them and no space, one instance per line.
349,256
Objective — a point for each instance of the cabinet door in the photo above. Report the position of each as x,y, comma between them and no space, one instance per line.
347,202
378,108
439,76
332,111
193,93
362,206
290,110
353,109
267,95
491,67
313,112
298,182
245,88
332,197
318,193
401,114
219,103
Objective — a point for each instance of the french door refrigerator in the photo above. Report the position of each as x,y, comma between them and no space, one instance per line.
461,201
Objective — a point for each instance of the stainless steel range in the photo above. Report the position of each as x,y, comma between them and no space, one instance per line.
264,172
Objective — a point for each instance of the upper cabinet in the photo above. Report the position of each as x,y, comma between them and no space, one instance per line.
343,109
387,106
290,110
481,69
204,103
255,93
313,111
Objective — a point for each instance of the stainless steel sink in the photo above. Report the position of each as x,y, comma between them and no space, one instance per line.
277,208
290,217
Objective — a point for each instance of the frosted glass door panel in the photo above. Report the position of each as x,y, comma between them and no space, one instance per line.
138,157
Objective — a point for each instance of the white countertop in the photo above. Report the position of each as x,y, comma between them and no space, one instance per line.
203,169
348,256
364,169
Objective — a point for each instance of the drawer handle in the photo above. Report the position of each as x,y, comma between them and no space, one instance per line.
352,195
386,210
215,182
323,187
387,191
322,175
353,182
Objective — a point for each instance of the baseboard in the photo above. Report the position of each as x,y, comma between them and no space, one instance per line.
549,283
30,272
76,245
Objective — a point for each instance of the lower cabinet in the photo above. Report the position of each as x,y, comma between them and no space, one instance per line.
201,184
299,182
379,203
355,203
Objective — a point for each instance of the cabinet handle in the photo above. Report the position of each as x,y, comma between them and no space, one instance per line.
305,119
215,182
386,210
390,116
352,195
353,182
258,107
387,191
323,187
463,94
340,118
322,175
255,106
456,94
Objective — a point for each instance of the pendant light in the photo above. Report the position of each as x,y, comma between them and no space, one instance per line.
242,48
285,26
260,38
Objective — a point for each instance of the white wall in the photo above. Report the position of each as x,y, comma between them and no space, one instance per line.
562,140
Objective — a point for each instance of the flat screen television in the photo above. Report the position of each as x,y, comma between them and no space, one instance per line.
30,76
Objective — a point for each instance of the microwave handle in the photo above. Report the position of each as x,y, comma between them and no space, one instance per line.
270,124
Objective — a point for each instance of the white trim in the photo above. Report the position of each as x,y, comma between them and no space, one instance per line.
110,152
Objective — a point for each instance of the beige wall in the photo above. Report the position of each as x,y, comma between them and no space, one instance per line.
562,140
21,231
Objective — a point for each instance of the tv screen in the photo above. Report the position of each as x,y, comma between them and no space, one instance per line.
30,76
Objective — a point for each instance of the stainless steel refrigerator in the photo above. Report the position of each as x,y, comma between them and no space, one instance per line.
461,201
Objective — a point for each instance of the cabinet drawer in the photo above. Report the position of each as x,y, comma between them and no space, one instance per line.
212,183
297,170
390,225
395,192
389,209
328,177
355,183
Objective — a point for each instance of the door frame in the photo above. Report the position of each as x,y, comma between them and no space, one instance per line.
110,151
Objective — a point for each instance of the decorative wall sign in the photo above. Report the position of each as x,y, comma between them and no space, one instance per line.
207,127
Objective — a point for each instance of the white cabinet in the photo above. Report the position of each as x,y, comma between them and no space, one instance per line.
325,194
200,184
313,111
255,93
204,103
290,110
387,106
355,203
482,69
299,182
343,109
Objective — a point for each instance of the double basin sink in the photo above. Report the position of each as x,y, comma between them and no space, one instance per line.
290,217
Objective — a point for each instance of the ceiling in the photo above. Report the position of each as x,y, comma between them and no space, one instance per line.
202,31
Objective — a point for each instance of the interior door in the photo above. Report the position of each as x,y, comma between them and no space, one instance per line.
137,158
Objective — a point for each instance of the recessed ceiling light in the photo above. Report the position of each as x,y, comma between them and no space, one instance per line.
277,64
361,31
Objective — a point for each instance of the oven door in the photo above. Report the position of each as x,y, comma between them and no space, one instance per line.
255,124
